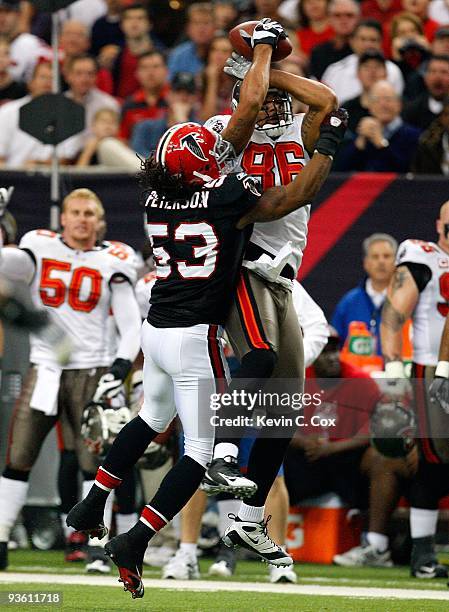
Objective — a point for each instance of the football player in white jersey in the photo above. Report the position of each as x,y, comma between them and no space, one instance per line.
76,281
420,289
262,326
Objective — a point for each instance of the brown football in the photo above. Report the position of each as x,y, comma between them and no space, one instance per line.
240,38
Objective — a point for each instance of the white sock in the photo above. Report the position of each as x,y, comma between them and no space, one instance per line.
87,485
13,494
378,540
423,523
224,449
124,522
67,530
189,548
225,507
253,514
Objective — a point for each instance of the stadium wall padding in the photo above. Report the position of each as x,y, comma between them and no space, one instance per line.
348,208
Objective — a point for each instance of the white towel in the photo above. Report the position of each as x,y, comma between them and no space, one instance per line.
270,267
46,389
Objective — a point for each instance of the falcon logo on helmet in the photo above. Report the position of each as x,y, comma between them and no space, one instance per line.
194,153
277,108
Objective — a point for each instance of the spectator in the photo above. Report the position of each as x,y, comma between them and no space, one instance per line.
380,10
85,11
429,104
338,459
9,89
217,86
181,102
371,69
104,146
364,302
383,142
81,75
136,27
432,154
342,76
149,101
190,56
315,27
25,48
343,17
440,45
19,149
74,41
106,30
406,27
439,11
225,15
420,8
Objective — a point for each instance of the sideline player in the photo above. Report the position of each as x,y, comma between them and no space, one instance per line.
190,302
77,283
420,289
262,326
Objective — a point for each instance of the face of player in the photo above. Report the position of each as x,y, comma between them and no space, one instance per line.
81,77
443,240
201,28
271,110
327,365
364,39
370,72
80,223
152,73
379,262
135,23
437,79
8,21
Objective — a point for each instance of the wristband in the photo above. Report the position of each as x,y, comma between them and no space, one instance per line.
120,368
442,370
394,369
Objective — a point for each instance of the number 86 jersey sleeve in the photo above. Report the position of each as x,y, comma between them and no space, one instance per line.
429,266
75,288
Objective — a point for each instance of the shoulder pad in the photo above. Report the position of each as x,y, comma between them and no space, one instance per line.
415,251
36,237
217,123
124,259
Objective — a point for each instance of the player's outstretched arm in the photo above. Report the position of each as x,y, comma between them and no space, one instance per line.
402,297
280,201
255,85
320,99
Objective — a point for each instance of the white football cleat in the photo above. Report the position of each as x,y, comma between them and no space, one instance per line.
364,556
182,566
281,574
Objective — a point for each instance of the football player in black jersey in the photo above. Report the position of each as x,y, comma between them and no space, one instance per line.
196,220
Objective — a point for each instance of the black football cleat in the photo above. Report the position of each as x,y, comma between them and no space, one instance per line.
87,519
129,564
424,563
224,476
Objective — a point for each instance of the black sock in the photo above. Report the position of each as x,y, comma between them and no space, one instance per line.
68,480
255,368
264,463
128,447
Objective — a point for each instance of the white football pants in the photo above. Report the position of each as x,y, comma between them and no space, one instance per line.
180,372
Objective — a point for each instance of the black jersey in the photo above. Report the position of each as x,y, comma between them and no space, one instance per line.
198,251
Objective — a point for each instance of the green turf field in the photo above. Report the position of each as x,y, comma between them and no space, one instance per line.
103,598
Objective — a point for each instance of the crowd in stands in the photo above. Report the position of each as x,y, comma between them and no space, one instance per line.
159,63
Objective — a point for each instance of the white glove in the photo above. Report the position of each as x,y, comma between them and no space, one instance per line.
108,387
237,66
267,32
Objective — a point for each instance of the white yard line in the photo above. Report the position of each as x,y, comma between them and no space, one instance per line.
209,586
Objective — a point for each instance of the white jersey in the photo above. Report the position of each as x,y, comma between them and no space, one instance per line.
143,292
433,305
275,162
74,286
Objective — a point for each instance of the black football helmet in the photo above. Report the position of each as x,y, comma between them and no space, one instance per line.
277,108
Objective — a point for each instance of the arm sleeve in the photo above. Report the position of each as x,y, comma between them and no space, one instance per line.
313,323
127,318
17,265
420,272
